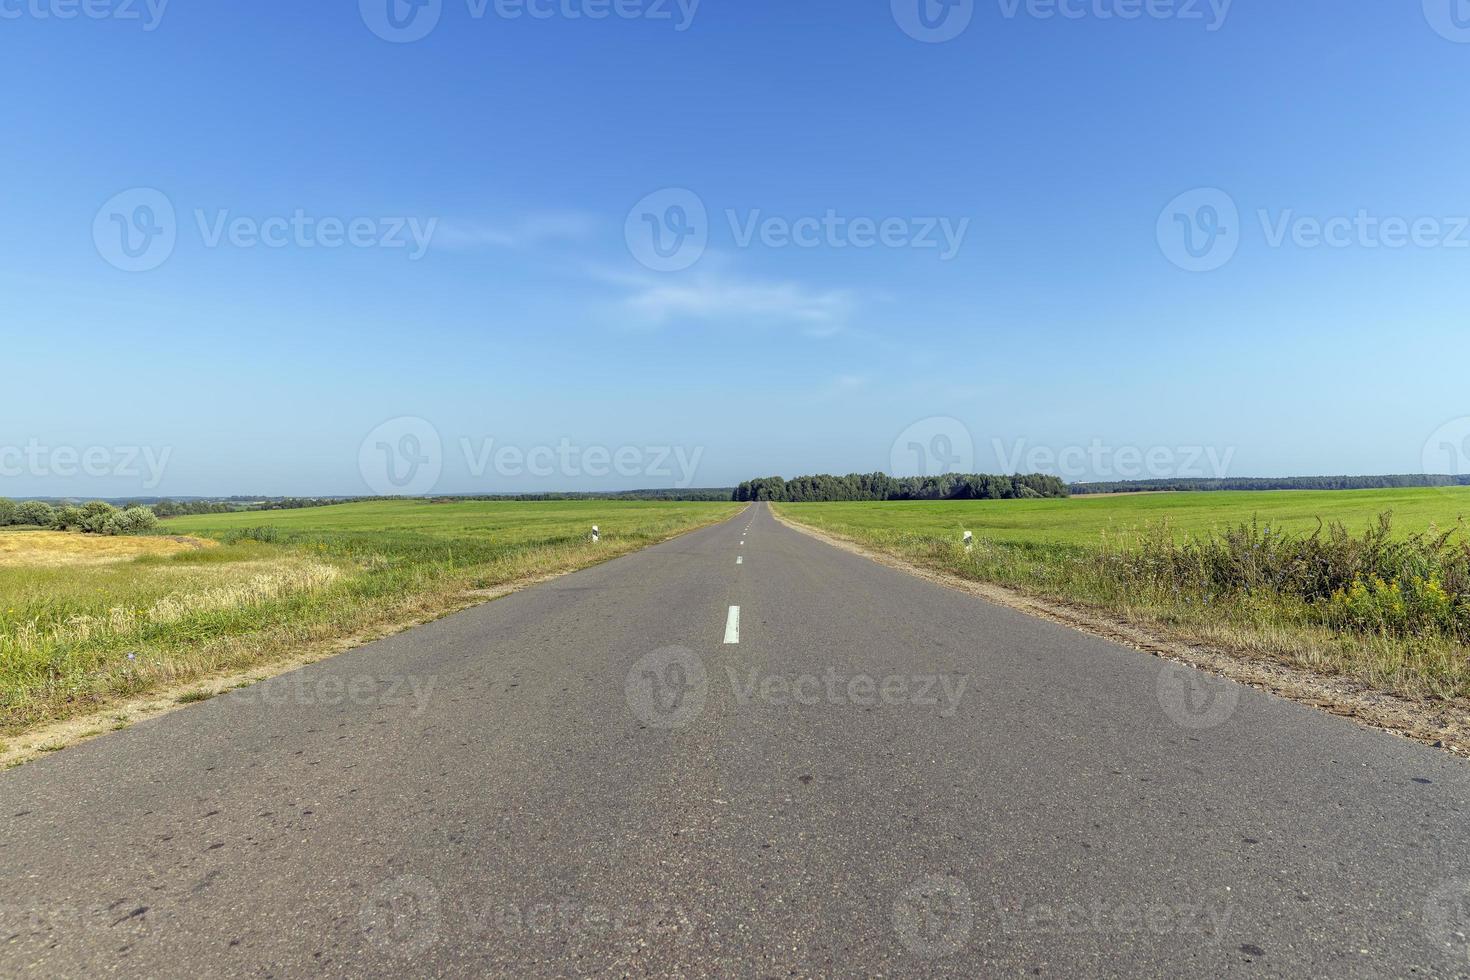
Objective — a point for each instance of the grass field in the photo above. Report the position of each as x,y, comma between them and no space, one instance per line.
1387,610
87,620
1084,520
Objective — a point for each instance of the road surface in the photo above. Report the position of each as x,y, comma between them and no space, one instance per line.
740,752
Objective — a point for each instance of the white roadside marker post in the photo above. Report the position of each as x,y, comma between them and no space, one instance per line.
969,541
596,534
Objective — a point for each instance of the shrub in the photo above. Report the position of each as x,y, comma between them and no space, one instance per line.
1369,583
134,520
95,517
7,512
36,512
68,518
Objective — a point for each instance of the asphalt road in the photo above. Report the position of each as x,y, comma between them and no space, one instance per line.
881,777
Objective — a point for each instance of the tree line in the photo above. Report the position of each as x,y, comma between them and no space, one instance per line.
699,494
881,486
185,508
1390,482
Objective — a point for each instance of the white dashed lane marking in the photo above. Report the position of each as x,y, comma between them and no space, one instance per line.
732,625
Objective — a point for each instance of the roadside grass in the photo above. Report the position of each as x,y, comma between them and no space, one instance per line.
234,591
1385,605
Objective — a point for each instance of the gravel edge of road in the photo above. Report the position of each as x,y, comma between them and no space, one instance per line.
1440,725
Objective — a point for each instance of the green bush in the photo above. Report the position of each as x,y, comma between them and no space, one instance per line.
1369,583
36,512
134,520
69,518
96,517
7,512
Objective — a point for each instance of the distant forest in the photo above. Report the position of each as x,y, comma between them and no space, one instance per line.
1277,483
881,486
698,494
181,508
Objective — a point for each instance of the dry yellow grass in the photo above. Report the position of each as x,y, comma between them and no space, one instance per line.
265,581
52,549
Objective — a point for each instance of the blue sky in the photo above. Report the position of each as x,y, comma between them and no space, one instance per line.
1066,323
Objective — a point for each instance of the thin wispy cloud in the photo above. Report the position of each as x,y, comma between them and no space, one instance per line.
717,297
536,229
717,293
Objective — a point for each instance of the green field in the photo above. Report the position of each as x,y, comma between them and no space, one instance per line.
1312,579
1085,520
240,590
